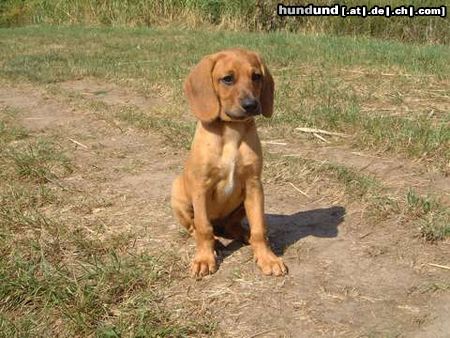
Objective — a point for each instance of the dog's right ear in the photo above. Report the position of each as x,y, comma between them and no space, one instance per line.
200,92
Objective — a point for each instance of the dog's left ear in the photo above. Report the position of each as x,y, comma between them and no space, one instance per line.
267,91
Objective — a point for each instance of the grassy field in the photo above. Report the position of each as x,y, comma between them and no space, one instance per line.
63,270
238,15
56,278
349,95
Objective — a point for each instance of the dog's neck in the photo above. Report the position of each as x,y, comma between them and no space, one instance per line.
230,133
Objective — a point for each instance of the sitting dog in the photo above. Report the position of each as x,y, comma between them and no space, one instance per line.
221,181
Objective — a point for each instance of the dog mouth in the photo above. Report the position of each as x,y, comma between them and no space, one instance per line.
242,115
237,117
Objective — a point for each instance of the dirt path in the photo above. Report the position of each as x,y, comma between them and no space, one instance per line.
347,277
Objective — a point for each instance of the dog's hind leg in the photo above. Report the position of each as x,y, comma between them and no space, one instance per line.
181,206
231,225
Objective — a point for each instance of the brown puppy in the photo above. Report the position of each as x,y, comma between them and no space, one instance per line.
221,181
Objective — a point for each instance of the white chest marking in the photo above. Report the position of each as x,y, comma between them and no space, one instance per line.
229,185
229,165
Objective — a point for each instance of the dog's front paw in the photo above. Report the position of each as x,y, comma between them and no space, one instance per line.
203,264
271,264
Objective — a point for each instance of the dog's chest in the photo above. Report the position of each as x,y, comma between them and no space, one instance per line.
228,168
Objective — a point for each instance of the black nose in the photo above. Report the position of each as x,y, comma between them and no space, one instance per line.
250,105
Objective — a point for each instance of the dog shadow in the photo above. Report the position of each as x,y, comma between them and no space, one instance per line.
285,230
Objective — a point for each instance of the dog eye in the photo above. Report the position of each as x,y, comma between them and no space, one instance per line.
256,77
228,80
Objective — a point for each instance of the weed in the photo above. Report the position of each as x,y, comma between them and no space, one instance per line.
432,218
38,161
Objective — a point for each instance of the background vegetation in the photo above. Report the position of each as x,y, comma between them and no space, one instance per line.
248,15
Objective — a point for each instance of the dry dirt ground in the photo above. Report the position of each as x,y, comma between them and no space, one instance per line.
346,277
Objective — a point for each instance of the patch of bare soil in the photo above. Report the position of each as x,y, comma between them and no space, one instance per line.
108,93
42,110
347,277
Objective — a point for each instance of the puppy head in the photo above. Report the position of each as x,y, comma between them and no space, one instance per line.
233,85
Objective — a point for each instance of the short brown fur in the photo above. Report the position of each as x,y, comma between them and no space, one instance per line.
221,181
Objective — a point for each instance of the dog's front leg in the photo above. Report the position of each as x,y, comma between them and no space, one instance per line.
268,262
204,262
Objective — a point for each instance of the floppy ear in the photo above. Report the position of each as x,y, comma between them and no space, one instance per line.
267,92
200,92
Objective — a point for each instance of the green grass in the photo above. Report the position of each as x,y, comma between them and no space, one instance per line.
251,15
419,138
32,159
170,52
108,295
63,277
433,218
9,130
433,287
38,161
314,79
426,213
177,133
